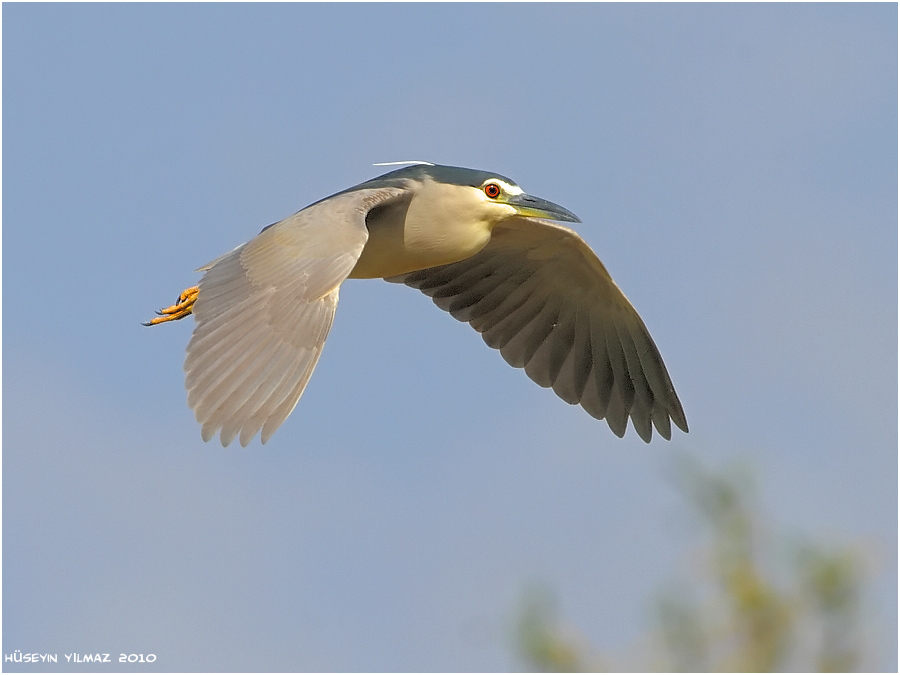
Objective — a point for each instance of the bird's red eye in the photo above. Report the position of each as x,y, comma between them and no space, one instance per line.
492,190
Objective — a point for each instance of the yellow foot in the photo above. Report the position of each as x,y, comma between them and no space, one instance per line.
182,307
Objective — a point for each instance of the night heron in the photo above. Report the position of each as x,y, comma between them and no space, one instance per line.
471,240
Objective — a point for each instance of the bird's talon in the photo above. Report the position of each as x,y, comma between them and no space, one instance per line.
183,307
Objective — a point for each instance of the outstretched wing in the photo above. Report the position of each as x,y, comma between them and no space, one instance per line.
540,295
263,313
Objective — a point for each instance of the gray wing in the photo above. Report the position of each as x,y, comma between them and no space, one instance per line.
263,312
540,295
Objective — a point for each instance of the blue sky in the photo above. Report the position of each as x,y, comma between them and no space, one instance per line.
735,168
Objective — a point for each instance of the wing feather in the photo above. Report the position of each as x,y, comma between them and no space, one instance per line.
576,368
264,311
523,346
547,360
541,296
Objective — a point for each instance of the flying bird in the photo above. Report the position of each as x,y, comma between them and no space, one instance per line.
476,243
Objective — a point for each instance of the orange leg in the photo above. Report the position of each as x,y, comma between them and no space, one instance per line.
182,307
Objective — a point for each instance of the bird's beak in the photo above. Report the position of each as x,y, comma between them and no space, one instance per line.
535,207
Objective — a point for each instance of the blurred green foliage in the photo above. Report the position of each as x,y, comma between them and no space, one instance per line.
734,611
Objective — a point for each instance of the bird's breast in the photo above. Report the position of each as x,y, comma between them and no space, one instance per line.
418,234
